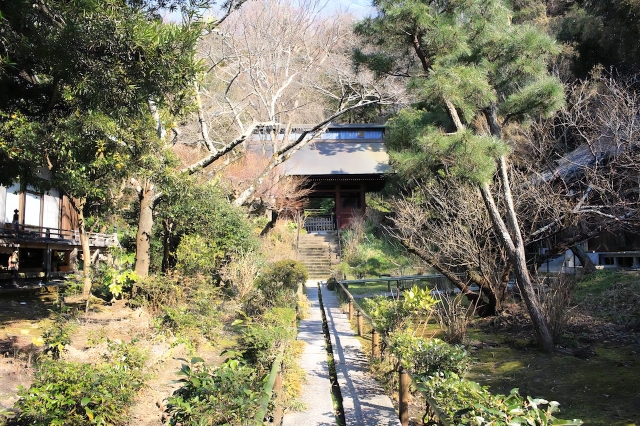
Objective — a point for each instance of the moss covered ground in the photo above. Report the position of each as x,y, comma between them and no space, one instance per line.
594,375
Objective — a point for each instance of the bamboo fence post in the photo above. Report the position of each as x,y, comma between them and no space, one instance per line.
403,396
350,310
278,412
359,321
375,344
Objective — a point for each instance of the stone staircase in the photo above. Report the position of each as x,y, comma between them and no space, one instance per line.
318,251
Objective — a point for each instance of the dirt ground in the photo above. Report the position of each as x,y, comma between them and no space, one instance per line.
24,316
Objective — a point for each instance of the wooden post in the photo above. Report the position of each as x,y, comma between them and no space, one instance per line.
375,344
359,320
350,310
403,397
278,412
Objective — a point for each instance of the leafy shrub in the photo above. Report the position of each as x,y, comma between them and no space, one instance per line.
426,357
261,340
69,393
391,315
276,287
115,279
212,395
466,402
57,336
283,274
197,255
216,228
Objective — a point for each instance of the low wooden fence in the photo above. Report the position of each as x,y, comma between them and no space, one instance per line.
432,410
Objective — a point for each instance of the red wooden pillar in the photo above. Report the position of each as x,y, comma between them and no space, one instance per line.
338,206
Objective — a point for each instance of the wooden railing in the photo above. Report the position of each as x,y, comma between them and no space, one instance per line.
433,411
47,234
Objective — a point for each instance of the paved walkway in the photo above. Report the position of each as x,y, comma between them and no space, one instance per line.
317,391
364,400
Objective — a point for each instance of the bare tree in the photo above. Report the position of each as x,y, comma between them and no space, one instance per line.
446,225
266,73
578,172
274,74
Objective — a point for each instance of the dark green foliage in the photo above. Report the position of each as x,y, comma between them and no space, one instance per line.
460,155
212,228
211,395
332,284
69,393
466,59
276,286
77,78
602,32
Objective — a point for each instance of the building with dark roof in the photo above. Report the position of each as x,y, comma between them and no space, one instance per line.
340,166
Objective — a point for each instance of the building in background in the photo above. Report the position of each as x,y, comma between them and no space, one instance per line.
47,236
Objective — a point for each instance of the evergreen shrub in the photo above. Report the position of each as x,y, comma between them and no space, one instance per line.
71,393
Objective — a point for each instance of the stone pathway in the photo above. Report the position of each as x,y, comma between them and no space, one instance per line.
317,391
364,400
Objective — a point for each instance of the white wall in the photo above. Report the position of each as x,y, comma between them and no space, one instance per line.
12,202
51,214
3,203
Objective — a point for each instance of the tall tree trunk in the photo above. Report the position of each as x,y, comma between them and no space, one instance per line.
588,267
516,255
511,238
146,194
78,205
166,245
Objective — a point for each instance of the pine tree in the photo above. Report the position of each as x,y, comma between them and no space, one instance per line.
476,72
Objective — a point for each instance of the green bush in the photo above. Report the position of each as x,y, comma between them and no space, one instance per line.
261,340
468,403
70,393
211,395
58,335
197,255
276,287
390,315
427,357
282,275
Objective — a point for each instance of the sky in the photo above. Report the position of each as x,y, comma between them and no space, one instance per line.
359,8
